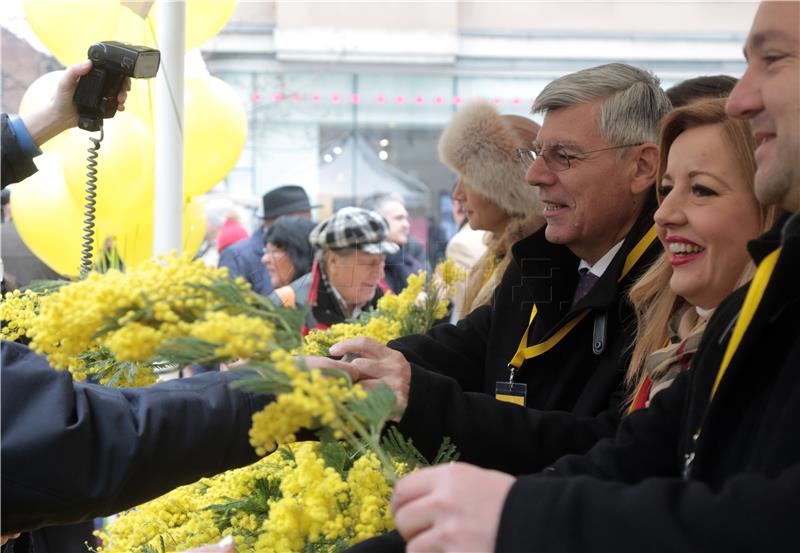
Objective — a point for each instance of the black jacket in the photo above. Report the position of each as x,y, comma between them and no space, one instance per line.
16,165
743,490
574,393
73,451
399,266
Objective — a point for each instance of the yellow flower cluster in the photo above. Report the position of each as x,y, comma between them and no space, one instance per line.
114,323
310,405
369,491
315,505
18,310
236,335
309,509
379,327
449,273
183,518
138,309
400,305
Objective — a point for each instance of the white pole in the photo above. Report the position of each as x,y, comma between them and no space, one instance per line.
168,197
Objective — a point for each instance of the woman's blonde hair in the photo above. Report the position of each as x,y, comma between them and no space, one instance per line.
653,301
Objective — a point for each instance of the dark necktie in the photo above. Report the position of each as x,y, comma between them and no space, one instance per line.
585,283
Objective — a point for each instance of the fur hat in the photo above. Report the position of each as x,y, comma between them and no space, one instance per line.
480,145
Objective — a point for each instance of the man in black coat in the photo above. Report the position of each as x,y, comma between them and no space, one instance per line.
596,185
714,463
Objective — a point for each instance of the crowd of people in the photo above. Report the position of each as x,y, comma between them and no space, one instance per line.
623,374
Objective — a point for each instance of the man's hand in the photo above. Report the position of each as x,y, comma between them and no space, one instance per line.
313,362
377,363
453,507
5,537
61,114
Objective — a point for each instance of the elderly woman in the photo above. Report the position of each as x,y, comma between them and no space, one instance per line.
350,248
480,145
288,253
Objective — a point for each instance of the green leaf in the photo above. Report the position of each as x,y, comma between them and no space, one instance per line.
287,455
377,408
257,503
335,454
447,452
402,449
45,287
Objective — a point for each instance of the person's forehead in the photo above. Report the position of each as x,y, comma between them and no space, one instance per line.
364,258
393,207
570,126
775,21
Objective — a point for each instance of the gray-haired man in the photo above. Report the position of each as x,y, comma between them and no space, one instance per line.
698,470
595,162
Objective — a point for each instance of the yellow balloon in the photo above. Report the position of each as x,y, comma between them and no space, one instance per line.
134,236
68,28
215,129
47,219
124,166
194,225
38,96
204,19
140,100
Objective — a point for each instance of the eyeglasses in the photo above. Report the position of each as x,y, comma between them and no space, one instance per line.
557,159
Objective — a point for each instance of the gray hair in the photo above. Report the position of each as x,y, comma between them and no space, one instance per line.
633,104
375,202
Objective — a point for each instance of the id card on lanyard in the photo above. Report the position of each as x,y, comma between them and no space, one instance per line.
516,392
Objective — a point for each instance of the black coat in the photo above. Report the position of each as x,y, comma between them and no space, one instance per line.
574,394
743,490
16,164
400,265
72,451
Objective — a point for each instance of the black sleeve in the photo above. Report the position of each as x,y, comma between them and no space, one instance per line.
646,443
750,512
72,451
458,351
495,434
627,494
16,165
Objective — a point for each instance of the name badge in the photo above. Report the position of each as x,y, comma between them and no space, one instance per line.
511,392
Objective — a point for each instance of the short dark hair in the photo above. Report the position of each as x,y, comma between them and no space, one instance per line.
290,234
706,87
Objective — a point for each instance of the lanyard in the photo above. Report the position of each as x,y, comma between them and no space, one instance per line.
525,352
754,294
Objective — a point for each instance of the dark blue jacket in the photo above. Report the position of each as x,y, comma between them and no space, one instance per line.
16,163
72,451
244,259
399,266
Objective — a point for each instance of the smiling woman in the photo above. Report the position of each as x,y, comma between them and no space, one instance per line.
707,214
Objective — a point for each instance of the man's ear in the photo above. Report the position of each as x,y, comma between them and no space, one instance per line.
644,168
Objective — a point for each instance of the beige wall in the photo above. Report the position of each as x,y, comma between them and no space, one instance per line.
389,15
604,17
253,13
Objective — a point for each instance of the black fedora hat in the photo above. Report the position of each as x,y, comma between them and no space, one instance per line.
286,199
